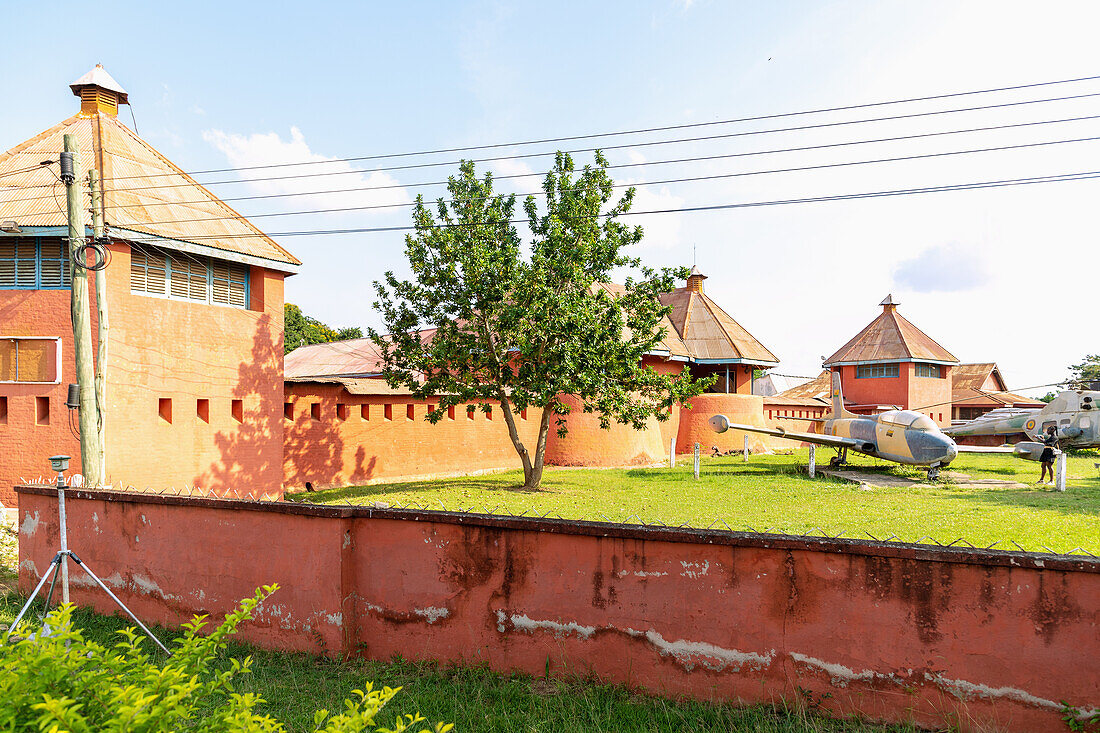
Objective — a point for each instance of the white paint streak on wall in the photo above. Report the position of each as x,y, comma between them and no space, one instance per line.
29,525
965,690
432,613
840,675
689,653
523,622
336,619
149,586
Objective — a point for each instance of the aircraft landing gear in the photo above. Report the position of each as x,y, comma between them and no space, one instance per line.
933,472
840,459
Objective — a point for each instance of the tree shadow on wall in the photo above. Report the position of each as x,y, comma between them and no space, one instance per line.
251,457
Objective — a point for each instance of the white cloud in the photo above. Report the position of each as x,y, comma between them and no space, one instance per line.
259,149
945,268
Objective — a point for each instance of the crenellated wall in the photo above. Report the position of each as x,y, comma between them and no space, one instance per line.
943,638
334,438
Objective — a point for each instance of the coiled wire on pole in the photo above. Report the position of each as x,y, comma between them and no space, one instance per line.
101,256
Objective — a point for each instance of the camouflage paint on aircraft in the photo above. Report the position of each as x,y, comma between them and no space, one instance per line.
900,436
1074,415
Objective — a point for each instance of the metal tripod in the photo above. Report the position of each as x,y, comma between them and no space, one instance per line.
58,566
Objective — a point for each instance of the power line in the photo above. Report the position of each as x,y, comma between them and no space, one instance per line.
650,143
717,176
639,131
723,156
1054,178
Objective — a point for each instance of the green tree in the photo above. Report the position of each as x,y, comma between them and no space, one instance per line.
1081,375
302,330
521,329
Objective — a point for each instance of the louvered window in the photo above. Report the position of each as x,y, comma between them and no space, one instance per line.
230,284
28,360
182,276
34,264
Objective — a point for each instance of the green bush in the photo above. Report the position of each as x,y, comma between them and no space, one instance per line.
54,680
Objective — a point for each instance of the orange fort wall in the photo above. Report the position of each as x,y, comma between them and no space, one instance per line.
334,438
194,391
943,638
739,408
587,444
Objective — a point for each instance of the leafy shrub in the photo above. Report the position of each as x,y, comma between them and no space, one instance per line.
55,680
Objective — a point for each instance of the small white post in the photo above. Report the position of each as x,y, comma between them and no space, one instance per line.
745,452
672,452
813,459
1061,480
696,461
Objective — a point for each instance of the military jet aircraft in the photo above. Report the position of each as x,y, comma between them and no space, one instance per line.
1074,415
900,436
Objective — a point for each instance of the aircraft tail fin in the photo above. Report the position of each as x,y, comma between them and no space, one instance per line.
838,398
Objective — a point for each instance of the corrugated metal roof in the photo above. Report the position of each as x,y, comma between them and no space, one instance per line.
358,386
351,357
142,190
890,337
820,386
968,387
709,333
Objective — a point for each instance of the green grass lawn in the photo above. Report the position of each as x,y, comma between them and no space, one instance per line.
772,492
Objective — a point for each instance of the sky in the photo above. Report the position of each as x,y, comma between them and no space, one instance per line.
1006,274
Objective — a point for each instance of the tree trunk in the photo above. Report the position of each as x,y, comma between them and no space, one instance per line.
513,433
535,479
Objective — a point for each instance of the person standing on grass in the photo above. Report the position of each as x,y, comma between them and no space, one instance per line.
1047,457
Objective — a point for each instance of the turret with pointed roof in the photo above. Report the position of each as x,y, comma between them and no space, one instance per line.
146,198
892,364
193,372
890,337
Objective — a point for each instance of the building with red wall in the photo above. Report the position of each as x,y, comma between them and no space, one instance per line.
892,364
336,445
194,297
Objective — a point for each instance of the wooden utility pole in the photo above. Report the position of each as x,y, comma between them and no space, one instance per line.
82,326
102,324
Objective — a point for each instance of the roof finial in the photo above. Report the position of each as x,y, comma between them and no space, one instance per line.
99,92
888,303
695,280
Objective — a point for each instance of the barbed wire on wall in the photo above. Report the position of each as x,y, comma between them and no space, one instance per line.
499,511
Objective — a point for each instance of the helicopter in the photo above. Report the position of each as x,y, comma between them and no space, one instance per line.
901,436
1073,414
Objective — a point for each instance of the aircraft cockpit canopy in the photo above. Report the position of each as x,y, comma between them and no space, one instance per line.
908,419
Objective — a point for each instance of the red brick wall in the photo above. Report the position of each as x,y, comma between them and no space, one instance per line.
24,444
906,390
331,450
970,640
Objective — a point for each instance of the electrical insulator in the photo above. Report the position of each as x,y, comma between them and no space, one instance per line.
68,168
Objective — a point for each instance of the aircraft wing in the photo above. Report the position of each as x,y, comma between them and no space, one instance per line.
834,441
985,448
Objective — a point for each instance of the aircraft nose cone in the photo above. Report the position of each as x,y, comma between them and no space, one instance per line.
951,451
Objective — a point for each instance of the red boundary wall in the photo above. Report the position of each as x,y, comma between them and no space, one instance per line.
943,637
